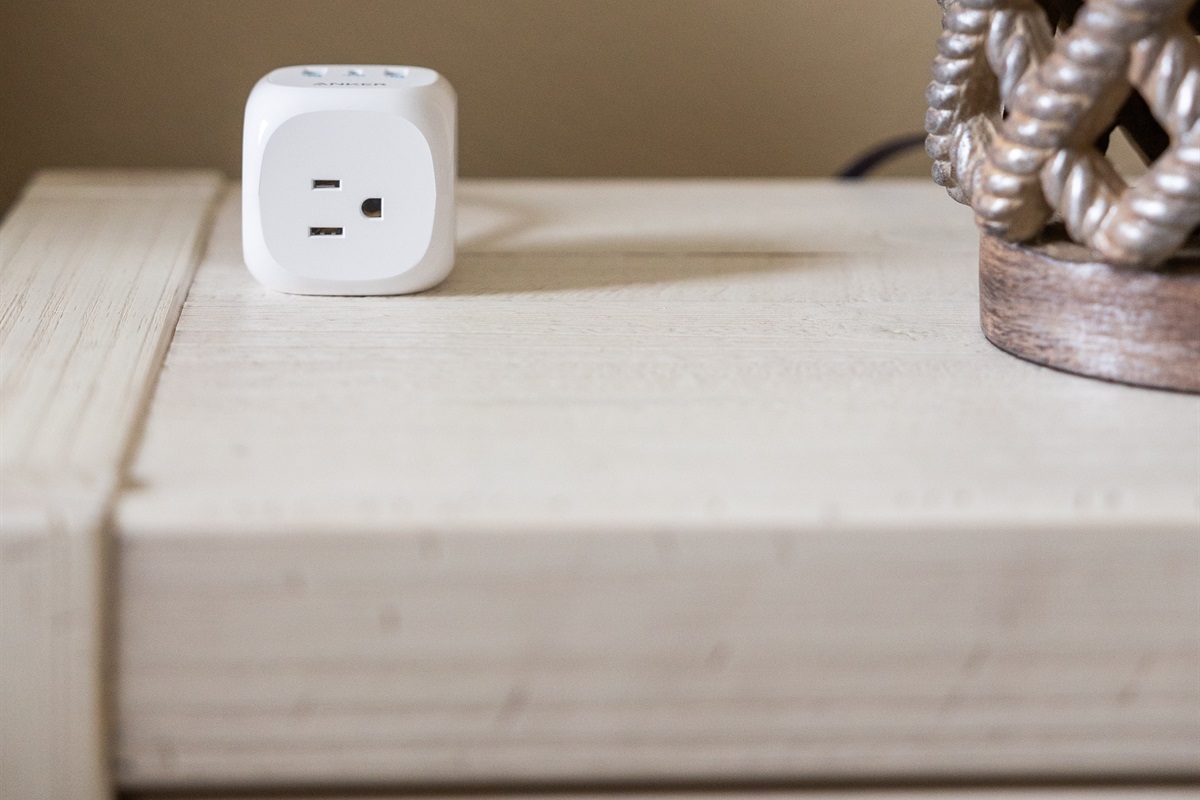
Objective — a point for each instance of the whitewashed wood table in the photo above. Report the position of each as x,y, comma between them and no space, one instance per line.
670,483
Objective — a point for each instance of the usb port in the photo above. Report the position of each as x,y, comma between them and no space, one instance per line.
326,231
327,184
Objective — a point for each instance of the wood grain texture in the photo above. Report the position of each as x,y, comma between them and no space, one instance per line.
1054,306
93,271
669,481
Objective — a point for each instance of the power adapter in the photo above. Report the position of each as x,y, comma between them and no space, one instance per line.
348,179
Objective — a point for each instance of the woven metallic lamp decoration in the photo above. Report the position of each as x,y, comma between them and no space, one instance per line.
1080,269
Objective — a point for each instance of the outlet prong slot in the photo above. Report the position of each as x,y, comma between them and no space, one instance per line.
327,184
372,207
326,232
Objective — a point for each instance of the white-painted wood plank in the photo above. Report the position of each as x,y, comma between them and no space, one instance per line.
94,267
667,482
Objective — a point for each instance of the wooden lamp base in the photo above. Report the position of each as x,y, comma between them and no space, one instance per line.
1053,305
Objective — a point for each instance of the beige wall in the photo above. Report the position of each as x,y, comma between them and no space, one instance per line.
547,87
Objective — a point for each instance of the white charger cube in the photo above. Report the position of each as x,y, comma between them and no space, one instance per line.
348,180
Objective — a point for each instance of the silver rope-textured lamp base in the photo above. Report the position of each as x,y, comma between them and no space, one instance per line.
1024,99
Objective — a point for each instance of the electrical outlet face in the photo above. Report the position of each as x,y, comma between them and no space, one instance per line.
348,179
347,195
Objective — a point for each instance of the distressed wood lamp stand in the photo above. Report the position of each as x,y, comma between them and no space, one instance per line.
1079,269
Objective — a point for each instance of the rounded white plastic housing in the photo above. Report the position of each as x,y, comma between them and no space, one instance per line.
348,177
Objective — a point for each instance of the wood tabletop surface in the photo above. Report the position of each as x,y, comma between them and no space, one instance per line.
669,482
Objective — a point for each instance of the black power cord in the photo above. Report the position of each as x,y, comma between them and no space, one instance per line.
877,156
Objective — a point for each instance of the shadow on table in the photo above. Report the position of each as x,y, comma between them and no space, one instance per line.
504,248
